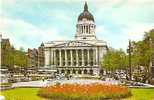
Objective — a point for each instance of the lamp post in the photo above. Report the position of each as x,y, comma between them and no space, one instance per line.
129,51
150,62
0,49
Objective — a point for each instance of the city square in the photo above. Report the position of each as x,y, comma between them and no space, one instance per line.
89,66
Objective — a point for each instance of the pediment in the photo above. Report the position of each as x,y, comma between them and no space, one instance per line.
73,44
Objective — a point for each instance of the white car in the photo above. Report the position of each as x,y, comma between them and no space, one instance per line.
2,97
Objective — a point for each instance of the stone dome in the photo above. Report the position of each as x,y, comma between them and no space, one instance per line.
86,14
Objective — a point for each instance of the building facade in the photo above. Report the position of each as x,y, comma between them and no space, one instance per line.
79,56
41,55
6,50
36,56
32,59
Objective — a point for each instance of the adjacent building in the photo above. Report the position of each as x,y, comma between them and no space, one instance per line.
6,50
32,57
79,56
36,56
41,55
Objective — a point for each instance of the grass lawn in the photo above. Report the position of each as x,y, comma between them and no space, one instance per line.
31,94
22,94
142,94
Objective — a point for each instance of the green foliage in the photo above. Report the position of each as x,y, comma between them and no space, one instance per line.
21,49
114,59
7,57
20,58
142,54
11,57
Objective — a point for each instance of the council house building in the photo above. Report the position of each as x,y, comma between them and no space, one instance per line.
81,55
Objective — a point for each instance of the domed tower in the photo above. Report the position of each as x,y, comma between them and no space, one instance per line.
85,28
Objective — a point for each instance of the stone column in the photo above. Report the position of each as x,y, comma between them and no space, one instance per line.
54,57
96,56
71,58
82,71
71,71
47,57
85,28
89,29
51,56
65,57
88,57
60,59
82,57
77,58
82,28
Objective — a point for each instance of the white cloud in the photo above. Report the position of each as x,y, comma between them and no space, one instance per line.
8,2
25,34
137,31
59,14
116,20
100,29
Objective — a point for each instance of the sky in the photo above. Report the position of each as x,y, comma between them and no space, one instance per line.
28,23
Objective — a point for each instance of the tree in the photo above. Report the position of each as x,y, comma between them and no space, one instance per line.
143,52
20,58
21,49
114,59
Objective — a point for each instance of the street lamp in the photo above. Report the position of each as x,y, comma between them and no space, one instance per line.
150,65
129,51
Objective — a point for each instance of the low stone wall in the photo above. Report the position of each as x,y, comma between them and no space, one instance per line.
5,87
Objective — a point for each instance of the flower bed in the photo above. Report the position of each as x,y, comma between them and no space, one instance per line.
93,91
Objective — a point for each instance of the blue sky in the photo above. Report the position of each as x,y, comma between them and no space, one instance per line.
28,23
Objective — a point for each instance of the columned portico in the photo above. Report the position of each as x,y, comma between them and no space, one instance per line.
87,58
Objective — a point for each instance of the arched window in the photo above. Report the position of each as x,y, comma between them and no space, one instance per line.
85,71
79,71
68,71
62,71
91,71
74,72
57,71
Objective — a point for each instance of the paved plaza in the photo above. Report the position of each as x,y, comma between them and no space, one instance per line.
30,84
42,83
